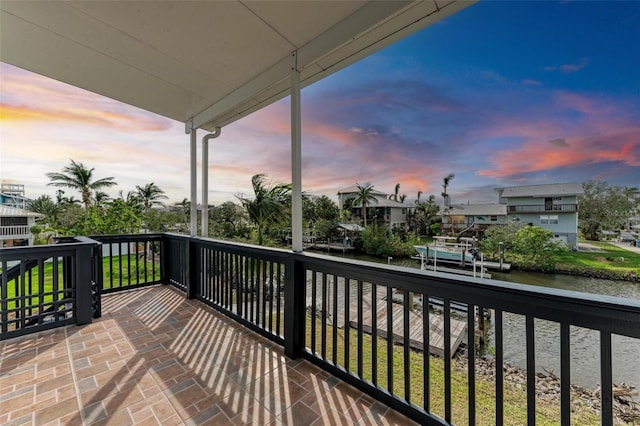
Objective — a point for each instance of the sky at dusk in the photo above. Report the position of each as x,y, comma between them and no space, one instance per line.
502,93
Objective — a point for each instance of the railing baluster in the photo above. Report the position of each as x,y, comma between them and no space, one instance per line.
334,319
499,369
323,335
129,262
374,334
360,315
272,287
41,308
110,273
347,327
426,352
263,291
314,282
531,371
606,379
278,293
390,339
407,308
120,264
447,360
565,375
253,293
471,360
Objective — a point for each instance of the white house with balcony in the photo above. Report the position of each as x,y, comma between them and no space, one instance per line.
15,225
383,210
551,206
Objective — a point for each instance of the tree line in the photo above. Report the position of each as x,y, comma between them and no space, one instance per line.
264,217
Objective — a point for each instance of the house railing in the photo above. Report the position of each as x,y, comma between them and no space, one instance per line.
365,323
542,208
43,287
15,231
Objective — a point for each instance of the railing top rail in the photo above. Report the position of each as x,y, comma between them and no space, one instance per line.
124,238
232,246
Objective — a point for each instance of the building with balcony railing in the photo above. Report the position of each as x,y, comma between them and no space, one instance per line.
552,206
382,211
15,226
13,195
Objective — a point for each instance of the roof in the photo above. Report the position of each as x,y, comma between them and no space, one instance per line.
549,190
6,211
354,189
480,209
350,227
383,201
212,62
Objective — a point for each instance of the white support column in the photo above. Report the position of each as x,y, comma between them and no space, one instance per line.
205,188
296,158
194,183
205,180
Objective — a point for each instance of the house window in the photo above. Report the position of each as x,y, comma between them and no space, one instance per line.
494,218
548,219
13,221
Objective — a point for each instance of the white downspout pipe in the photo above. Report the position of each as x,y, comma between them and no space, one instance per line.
205,181
296,158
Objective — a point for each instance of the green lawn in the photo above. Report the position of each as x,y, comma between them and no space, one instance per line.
611,258
515,408
31,284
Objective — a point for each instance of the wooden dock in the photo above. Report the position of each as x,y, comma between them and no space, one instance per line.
416,338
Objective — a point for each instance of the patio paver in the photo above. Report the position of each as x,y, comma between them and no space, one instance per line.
156,358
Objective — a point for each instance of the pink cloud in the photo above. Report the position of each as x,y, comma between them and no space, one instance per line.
535,156
28,97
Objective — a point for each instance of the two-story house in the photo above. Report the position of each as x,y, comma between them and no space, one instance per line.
15,226
383,210
552,206
15,220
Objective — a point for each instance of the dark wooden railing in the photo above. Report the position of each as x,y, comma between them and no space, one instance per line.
367,324
48,286
130,261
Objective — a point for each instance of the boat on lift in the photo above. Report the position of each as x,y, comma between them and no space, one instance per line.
450,249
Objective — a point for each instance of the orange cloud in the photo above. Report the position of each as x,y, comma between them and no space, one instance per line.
537,156
30,98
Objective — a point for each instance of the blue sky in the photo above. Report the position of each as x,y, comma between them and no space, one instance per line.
501,93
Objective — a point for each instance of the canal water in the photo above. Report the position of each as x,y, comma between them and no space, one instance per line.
585,349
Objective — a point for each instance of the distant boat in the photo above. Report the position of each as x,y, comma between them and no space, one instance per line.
449,249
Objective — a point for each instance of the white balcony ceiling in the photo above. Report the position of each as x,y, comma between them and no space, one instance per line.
210,61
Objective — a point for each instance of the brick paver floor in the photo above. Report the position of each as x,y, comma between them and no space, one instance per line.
156,358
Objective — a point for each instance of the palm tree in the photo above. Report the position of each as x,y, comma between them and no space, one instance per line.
396,190
185,207
268,205
47,207
101,198
77,176
150,195
365,196
445,196
445,185
418,199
